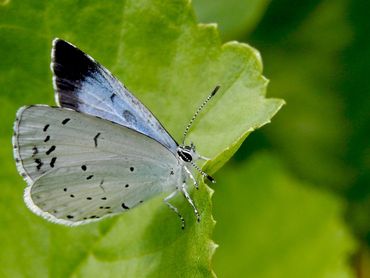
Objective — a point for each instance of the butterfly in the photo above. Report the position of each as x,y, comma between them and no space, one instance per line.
100,151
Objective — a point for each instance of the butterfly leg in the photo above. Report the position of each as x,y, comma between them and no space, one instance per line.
166,200
187,196
191,177
203,158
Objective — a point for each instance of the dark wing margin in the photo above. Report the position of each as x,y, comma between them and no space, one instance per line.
70,67
82,84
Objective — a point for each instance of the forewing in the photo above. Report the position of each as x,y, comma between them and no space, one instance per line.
84,85
86,168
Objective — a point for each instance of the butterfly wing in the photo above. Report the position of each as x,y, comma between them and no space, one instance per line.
84,85
81,168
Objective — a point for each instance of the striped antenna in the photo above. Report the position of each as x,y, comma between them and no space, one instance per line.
204,174
198,111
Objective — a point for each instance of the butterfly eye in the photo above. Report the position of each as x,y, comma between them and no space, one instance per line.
184,154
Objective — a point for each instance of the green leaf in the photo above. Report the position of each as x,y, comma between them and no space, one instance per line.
270,224
235,18
171,63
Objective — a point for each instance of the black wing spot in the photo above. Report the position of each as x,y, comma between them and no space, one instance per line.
107,207
124,206
141,201
93,216
83,167
96,139
47,138
89,177
17,160
39,163
101,207
70,216
46,127
52,162
112,97
172,173
72,196
101,185
52,148
89,198
34,151
104,198
129,117
65,189
132,169
127,185
66,121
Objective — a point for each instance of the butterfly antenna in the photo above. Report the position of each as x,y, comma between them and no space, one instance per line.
204,174
198,111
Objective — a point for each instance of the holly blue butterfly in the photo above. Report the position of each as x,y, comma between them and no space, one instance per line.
100,152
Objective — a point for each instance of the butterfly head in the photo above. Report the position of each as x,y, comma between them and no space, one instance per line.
189,155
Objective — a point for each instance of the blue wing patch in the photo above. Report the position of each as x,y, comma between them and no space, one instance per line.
84,85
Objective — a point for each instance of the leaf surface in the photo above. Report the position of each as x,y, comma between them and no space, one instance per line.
269,224
235,18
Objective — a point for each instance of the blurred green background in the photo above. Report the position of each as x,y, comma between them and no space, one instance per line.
295,199
317,57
